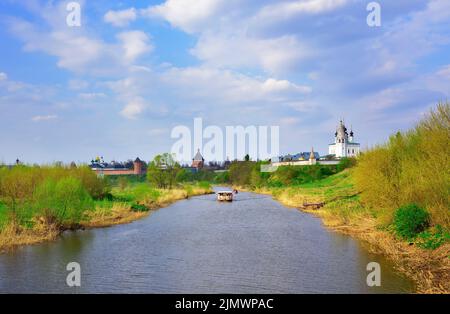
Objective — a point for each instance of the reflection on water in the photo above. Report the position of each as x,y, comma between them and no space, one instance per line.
253,245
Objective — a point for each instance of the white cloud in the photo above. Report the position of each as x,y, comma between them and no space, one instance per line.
134,108
74,51
444,72
134,44
78,84
284,10
272,85
120,18
274,55
205,84
438,81
232,34
44,118
289,121
90,96
3,76
79,50
189,15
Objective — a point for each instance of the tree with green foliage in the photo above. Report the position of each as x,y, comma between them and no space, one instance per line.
240,171
162,171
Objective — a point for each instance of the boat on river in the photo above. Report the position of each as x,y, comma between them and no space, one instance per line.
225,196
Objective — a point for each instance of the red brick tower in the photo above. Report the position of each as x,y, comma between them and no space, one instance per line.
198,161
138,167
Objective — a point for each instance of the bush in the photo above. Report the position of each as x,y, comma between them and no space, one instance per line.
63,202
223,177
189,190
139,208
410,220
95,186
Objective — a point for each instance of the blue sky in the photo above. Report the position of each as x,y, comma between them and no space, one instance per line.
117,85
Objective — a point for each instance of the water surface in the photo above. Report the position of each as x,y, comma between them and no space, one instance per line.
253,245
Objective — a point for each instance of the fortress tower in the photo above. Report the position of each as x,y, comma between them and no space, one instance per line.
138,167
198,161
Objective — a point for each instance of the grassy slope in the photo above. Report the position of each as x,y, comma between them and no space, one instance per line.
344,212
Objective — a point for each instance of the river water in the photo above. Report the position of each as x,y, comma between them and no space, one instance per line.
253,245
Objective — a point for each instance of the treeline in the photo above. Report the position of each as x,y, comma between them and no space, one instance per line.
165,172
411,168
55,194
250,174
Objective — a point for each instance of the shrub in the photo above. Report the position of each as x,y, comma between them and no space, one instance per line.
346,163
63,202
410,220
95,186
189,190
240,172
139,208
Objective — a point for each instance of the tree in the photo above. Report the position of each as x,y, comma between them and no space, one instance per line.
162,171
247,157
240,171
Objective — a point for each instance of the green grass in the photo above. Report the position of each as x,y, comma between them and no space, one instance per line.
338,191
339,186
3,215
138,192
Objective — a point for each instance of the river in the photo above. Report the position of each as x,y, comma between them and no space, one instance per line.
253,245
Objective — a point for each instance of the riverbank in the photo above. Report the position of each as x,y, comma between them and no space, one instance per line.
343,212
127,207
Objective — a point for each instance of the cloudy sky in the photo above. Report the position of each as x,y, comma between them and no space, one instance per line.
118,85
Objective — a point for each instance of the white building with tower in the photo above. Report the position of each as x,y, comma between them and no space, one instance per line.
344,143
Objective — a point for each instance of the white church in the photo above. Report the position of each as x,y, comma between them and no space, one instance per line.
344,144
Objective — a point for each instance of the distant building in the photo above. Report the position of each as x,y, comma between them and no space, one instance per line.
117,169
344,144
198,162
300,159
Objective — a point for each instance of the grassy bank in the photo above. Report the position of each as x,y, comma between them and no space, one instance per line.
38,203
138,201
